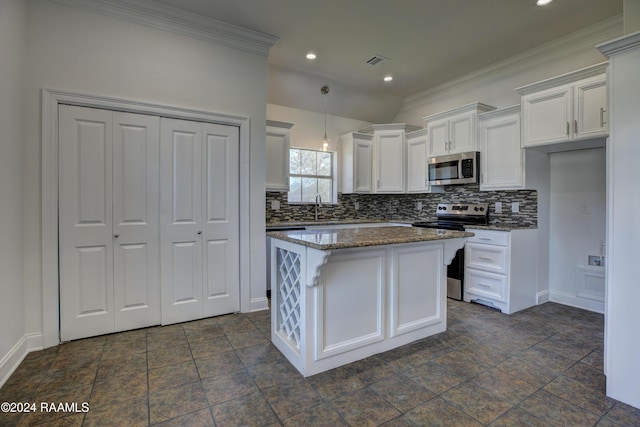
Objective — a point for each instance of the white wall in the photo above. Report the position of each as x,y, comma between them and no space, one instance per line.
577,225
308,126
308,129
494,85
80,51
631,11
13,41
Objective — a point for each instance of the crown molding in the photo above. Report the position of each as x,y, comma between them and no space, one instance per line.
513,109
583,73
390,126
282,125
569,45
621,44
478,107
155,15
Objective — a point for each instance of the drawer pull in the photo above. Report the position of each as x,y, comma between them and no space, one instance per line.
487,239
483,285
484,258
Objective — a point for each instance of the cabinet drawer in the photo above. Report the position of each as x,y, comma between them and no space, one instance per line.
489,237
487,257
485,284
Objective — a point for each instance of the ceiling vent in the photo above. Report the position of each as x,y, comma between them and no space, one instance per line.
377,60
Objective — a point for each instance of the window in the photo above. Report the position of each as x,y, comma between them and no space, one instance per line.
310,174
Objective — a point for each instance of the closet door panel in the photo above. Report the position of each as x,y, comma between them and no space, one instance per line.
85,222
136,220
221,212
181,220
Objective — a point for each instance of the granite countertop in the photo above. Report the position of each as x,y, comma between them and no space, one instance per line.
503,227
278,224
367,236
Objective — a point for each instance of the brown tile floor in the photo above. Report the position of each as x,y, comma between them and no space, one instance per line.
538,367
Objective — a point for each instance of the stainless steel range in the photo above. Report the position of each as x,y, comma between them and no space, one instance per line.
455,216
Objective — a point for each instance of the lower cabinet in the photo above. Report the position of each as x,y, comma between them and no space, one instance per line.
334,307
501,269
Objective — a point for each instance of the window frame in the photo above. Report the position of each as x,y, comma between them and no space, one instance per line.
333,177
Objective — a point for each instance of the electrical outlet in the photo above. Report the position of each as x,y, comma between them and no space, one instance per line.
595,260
498,207
419,206
356,205
275,205
515,207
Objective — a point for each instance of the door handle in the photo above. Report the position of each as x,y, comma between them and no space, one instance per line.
568,125
575,127
602,122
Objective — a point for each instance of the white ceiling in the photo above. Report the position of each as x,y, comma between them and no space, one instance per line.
428,42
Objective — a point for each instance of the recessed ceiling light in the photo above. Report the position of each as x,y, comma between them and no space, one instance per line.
311,55
543,2
388,78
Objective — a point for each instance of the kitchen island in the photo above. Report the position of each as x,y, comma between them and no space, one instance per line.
341,295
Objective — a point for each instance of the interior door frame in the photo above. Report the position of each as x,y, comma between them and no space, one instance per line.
51,99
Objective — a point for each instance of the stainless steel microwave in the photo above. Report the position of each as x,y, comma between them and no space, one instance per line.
462,168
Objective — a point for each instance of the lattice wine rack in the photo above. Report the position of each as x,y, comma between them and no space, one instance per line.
289,282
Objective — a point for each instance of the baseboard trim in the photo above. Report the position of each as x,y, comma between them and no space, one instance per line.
259,304
542,297
576,301
10,362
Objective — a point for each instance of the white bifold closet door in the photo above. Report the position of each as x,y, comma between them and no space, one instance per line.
108,221
199,214
148,221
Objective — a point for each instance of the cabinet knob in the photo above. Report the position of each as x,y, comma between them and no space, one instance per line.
199,231
115,236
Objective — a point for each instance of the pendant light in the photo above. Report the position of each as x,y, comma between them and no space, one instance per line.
325,141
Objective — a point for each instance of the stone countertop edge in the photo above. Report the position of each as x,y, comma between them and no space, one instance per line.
362,237
277,224
502,227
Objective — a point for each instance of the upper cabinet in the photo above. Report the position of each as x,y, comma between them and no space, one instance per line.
566,108
357,157
417,148
374,159
501,156
454,131
277,155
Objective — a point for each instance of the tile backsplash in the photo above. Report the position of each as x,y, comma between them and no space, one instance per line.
403,206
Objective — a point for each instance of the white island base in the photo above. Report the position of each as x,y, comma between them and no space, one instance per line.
333,307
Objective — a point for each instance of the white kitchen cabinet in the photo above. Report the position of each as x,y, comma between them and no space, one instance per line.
373,159
454,131
389,153
501,269
501,156
357,167
566,108
278,142
417,147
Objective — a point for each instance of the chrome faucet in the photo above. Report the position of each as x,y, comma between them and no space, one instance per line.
318,204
